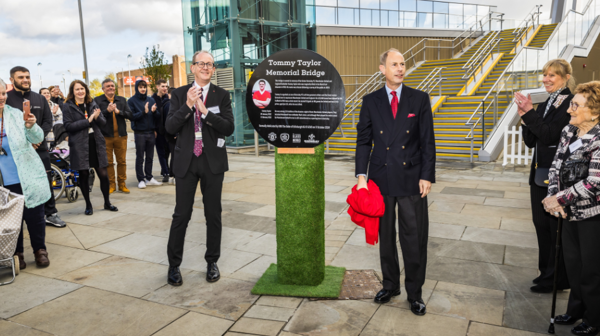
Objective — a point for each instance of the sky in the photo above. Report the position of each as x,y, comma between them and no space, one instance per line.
47,32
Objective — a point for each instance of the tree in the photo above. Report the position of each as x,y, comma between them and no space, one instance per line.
95,88
155,66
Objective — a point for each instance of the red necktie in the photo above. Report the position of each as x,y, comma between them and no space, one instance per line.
394,104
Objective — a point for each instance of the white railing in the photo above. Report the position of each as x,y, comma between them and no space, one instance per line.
518,151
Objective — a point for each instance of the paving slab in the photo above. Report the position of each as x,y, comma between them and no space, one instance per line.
257,327
250,223
358,238
137,223
500,237
230,260
194,323
357,257
90,236
264,211
62,260
517,195
13,329
483,221
270,313
521,256
512,224
89,311
496,211
452,198
530,312
28,291
121,275
447,231
446,206
507,202
473,192
265,244
393,321
460,249
254,270
481,329
226,298
230,237
331,317
60,236
77,216
279,301
468,302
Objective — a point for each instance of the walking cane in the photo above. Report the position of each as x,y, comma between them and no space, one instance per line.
556,260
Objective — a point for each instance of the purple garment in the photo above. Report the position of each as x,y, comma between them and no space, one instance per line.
198,122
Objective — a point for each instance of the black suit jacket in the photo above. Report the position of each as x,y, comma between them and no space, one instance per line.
543,133
397,152
215,126
125,113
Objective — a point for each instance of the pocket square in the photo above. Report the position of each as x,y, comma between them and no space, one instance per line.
410,115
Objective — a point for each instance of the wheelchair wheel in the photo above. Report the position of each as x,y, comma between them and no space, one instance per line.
58,181
72,194
17,265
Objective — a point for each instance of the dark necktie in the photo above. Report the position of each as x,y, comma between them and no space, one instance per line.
394,104
198,122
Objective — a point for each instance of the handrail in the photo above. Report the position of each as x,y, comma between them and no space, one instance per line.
432,80
476,55
480,59
366,87
524,25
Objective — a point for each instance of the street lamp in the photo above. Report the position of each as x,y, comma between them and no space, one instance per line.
70,75
64,83
129,67
40,74
87,74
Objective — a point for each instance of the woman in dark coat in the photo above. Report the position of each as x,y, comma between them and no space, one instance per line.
541,130
82,120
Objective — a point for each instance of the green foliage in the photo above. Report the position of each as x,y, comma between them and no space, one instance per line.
156,66
300,211
330,287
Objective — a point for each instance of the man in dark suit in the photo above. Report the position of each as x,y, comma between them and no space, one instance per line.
396,143
201,115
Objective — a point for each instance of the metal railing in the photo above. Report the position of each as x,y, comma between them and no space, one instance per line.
481,55
433,80
352,102
523,71
531,19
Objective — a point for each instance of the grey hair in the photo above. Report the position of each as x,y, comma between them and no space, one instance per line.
202,52
108,80
2,84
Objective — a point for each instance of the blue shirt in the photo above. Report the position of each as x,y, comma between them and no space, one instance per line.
7,164
389,93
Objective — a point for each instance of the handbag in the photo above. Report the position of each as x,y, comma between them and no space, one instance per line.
541,174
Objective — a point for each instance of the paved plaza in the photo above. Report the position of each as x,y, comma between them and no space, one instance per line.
108,271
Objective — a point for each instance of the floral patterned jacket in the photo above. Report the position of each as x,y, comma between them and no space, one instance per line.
584,197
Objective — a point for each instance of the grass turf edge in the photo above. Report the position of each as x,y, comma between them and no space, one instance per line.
329,288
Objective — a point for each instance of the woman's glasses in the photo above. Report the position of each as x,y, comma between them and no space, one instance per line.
573,105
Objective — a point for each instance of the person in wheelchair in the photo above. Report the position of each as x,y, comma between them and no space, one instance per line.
82,120
23,173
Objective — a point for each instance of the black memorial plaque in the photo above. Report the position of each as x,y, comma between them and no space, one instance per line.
295,98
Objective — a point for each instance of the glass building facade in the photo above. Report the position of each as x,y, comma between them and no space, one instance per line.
240,34
396,13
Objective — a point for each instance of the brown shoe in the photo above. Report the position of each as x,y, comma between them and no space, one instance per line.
41,258
22,263
112,189
123,188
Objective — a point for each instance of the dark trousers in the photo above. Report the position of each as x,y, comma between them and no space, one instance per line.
50,206
413,229
36,223
545,228
582,251
162,149
144,145
211,186
172,152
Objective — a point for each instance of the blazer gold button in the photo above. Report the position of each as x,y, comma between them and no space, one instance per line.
381,132
388,148
407,131
402,147
404,163
385,164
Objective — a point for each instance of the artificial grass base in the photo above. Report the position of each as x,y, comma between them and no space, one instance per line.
329,288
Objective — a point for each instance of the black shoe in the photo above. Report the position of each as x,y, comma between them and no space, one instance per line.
212,272
540,289
89,211
174,277
536,280
417,307
54,220
165,178
385,295
565,319
110,207
584,329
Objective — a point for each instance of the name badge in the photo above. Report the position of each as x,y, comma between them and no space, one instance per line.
214,109
198,135
575,145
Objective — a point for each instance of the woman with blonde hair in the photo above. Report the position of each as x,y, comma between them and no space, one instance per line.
541,129
574,193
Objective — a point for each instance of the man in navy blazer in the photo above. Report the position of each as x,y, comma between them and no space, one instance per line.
396,145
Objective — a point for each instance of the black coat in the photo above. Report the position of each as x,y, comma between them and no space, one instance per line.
161,117
215,126
404,148
543,133
125,113
77,127
39,108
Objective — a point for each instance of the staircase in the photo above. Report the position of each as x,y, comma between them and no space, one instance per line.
451,117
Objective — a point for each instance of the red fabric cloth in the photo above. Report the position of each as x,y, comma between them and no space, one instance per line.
366,207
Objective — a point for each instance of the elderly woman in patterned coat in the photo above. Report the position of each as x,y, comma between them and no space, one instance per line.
574,192
23,173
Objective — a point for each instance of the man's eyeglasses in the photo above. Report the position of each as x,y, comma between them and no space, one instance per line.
202,64
573,105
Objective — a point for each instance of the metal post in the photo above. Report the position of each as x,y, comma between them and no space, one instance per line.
255,143
495,108
440,83
87,74
327,144
439,48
